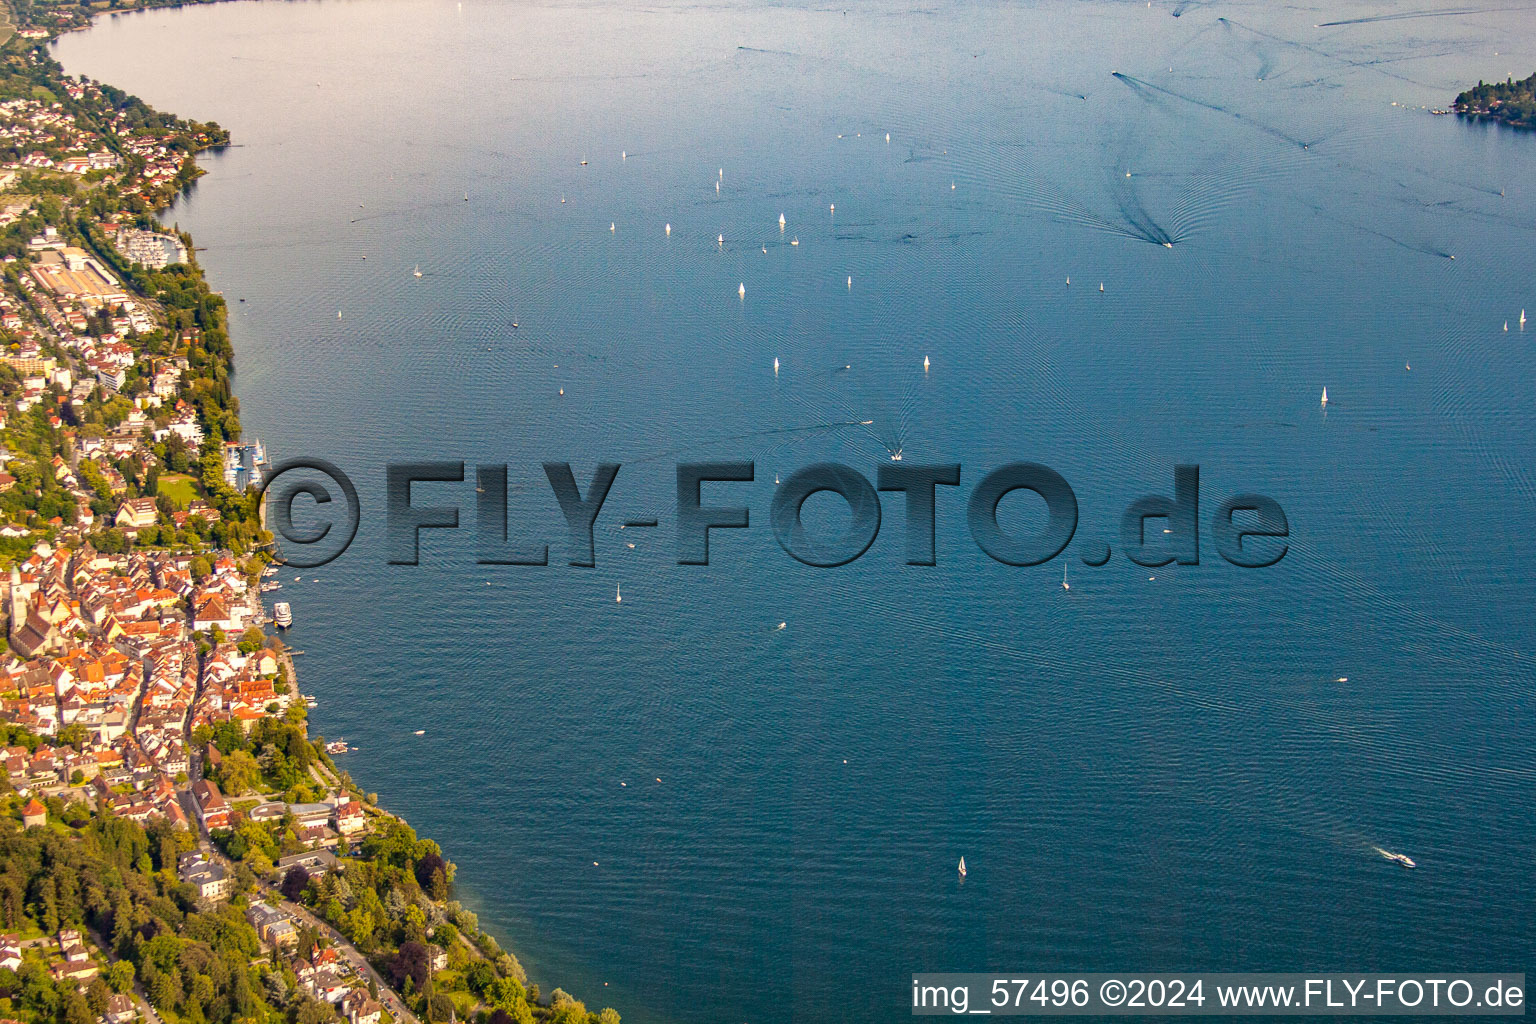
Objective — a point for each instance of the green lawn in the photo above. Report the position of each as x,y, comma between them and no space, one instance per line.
178,487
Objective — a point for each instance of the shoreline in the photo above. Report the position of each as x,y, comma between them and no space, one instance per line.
161,204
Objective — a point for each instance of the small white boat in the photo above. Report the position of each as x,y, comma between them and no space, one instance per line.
1064,584
925,364
1399,858
781,221
618,593
1325,396
669,230
421,732
775,358
741,290
896,455
780,626
1101,286
962,867
1522,319
417,271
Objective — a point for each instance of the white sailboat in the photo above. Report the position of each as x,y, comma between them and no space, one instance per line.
962,867
1325,396
775,366
1522,319
417,271
925,364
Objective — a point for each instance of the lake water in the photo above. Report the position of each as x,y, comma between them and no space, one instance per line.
1184,767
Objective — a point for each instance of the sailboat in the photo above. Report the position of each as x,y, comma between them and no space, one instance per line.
417,271
1325,396
775,366
925,364
1522,319
962,867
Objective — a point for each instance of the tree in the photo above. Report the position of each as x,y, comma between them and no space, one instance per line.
295,882
240,773
440,1007
410,962
432,875
120,976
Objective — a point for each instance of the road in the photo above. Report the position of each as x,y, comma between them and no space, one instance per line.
141,1000
274,897
363,968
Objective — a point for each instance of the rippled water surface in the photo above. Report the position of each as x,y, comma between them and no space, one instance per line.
1174,768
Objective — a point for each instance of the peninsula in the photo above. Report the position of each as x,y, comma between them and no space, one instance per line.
1509,102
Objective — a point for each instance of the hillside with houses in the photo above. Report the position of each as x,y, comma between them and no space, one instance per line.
174,846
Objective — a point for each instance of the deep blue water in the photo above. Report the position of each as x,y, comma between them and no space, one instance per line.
1157,769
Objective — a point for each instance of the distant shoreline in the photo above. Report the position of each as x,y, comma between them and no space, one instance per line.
1510,102
8,29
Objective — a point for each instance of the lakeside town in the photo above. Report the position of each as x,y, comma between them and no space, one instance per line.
174,846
